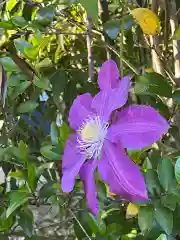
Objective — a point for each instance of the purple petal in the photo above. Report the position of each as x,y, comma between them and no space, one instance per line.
71,163
138,126
106,101
87,176
123,175
108,76
80,110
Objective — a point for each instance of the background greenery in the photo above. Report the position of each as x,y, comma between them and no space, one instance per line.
50,52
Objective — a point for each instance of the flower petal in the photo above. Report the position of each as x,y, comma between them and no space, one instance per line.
108,76
122,174
138,126
80,110
87,176
71,163
106,101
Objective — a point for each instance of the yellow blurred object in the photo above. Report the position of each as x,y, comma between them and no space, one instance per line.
132,211
149,70
147,19
109,194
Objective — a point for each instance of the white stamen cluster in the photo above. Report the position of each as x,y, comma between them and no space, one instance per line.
91,136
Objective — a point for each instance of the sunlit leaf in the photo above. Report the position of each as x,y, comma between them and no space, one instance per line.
147,19
132,210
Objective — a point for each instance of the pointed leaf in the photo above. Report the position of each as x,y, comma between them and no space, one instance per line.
146,218
17,199
165,218
177,170
154,84
166,173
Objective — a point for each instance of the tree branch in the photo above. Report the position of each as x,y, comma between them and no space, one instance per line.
154,40
89,49
104,16
23,66
175,43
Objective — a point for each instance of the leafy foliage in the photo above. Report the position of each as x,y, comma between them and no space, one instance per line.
44,57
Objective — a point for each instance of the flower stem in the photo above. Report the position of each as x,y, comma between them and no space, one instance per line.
74,216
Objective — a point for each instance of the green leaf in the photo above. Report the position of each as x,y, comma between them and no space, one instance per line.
27,11
166,173
15,79
26,222
165,218
32,179
177,170
96,224
8,64
18,174
48,190
152,182
177,34
21,44
28,106
64,132
19,21
42,83
113,27
162,237
45,15
6,25
54,133
17,199
47,152
19,89
91,8
6,223
23,151
153,83
169,201
10,5
176,96
176,193
147,164
31,53
59,81
145,219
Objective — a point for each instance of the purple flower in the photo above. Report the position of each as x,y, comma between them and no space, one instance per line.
99,142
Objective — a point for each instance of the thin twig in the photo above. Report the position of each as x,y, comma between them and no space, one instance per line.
161,59
89,49
124,60
74,216
58,32
155,40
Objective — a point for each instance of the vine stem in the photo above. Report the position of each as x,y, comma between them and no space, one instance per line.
74,216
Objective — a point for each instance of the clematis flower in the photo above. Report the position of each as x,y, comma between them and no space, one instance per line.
99,142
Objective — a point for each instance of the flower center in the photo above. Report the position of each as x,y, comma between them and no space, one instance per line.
91,136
